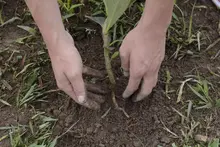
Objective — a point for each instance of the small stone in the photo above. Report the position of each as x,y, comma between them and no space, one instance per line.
56,112
61,122
165,139
112,137
89,130
68,120
101,145
137,143
114,129
98,125
57,130
201,138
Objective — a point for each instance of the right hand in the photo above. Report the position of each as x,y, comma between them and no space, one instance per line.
68,68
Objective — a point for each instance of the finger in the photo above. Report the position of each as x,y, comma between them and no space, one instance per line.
133,85
96,89
92,72
149,82
87,103
124,55
91,104
78,86
95,97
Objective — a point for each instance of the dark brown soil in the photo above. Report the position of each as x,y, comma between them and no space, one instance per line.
145,127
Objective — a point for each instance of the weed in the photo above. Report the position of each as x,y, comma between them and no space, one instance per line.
31,31
69,8
212,143
38,133
183,35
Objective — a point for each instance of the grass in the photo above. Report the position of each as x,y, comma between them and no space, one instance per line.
37,134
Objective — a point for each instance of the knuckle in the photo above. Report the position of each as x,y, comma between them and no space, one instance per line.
138,73
75,75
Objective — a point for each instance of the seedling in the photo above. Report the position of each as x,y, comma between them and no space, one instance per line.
31,31
69,7
114,10
201,90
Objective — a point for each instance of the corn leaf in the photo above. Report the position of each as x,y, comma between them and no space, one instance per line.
114,10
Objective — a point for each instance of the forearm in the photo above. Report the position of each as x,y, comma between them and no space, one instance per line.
47,15
157,14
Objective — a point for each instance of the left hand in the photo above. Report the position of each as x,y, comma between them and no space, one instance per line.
142,52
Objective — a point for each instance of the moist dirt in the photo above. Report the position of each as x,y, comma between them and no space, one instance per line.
149,120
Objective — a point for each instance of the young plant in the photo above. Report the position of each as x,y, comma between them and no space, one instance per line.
69,7
114,10
201,90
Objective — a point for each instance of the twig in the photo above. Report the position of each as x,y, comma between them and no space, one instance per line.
106,113
212,45
168,130
68,129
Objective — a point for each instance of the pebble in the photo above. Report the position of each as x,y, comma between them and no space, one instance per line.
89,130
101,145
68,120
137,143
62,116
56,112
114,129
201,138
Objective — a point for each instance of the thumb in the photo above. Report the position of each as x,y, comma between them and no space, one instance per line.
125,56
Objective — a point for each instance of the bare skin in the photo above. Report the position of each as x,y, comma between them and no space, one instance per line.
142,50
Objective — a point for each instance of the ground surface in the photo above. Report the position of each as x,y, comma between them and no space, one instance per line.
152,122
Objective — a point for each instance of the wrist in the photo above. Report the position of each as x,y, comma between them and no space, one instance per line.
152,30
157,16
56,39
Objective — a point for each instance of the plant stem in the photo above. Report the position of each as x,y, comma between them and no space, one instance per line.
110,73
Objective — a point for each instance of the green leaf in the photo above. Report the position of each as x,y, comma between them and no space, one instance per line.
75,6
5,102
114,10
214,143
198,94
36,145
54,142
115,55
49,119
28,29
98,20
217,103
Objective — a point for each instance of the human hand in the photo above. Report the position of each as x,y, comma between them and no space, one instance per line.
141,55
68,68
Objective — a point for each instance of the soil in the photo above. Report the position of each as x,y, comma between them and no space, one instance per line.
148,118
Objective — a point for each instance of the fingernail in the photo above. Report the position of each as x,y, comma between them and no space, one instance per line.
81,99
126,94
126,73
